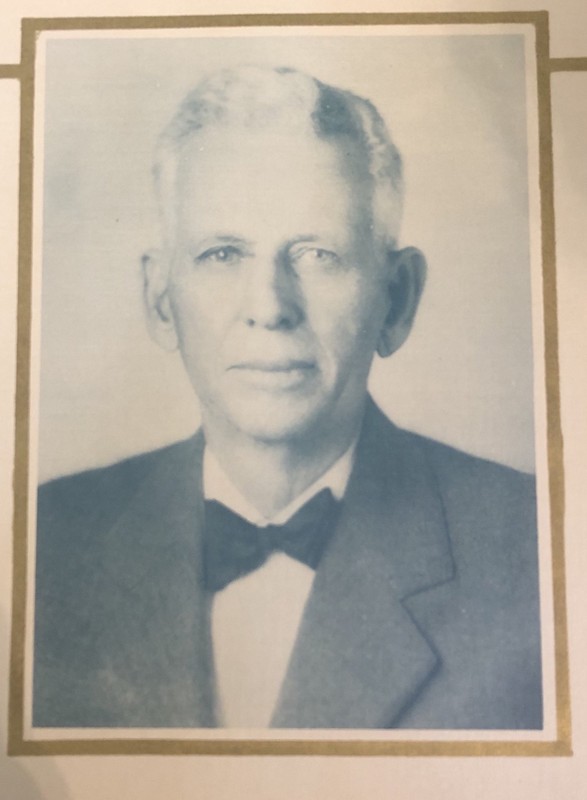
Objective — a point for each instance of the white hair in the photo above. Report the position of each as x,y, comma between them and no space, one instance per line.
267,97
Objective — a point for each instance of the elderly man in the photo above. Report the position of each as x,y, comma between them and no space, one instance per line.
301,562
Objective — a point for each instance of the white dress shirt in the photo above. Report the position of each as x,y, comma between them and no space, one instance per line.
255,619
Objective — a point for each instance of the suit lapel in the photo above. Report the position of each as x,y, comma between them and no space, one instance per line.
360,659
160,637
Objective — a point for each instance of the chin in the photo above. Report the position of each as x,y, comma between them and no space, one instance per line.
273,421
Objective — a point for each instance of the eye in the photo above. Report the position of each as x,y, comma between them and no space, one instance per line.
314,257
222,254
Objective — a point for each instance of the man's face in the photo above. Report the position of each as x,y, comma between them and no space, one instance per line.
276,288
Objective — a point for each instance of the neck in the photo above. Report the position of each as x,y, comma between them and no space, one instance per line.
272,474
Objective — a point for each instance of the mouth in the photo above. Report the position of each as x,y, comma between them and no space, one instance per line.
274,375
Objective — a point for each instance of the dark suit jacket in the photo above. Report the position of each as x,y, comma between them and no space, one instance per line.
423,612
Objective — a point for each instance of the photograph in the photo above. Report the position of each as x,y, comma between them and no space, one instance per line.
288,460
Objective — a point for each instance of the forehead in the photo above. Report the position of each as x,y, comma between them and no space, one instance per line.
229,170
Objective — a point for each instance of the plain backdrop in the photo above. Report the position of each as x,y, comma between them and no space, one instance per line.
456,107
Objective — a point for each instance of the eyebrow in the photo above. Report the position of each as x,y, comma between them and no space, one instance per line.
231,239
222,238
330,241
304,237
226,237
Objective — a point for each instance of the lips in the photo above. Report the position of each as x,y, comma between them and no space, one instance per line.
276,375
269,365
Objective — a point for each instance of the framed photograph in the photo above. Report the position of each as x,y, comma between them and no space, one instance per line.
288,464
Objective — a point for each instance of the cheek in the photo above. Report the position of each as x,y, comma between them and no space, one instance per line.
349,320
205,303
197,320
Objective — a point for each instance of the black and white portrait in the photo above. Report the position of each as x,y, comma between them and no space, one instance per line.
285,421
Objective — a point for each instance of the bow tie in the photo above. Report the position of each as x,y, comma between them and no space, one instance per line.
234,547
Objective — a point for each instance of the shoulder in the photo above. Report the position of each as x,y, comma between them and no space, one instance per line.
461,479
106,487
460,474
73,510
489,509
79,518
490,505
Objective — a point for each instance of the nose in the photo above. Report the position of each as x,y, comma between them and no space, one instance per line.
271,295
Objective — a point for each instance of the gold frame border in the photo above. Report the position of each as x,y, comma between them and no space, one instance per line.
24,72
568,64
10,71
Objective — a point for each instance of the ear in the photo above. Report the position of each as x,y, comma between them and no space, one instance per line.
407,276
160,320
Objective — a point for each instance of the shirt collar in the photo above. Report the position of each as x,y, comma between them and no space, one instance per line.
217,486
